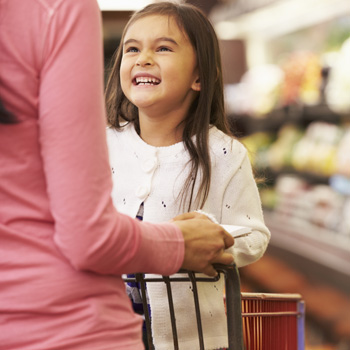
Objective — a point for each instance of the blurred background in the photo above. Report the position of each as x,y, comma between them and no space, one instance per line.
287,83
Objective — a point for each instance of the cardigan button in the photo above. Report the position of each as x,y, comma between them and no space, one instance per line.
142,191
149,165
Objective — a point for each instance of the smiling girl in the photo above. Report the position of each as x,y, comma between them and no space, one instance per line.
171,151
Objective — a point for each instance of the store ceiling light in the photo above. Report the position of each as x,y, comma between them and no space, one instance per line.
281,17
122,5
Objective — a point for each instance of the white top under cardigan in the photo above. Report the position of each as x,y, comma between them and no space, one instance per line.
155,176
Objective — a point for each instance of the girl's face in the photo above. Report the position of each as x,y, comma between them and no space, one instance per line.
158,70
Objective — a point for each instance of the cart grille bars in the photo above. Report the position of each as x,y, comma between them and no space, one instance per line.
233,303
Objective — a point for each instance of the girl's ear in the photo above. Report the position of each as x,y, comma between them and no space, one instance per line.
196,86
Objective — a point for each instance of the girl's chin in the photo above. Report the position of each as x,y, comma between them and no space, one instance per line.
142,103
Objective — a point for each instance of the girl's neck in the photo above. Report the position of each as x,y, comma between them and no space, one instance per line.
160,132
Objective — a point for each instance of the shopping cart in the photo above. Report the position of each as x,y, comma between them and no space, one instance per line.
273,321
255,321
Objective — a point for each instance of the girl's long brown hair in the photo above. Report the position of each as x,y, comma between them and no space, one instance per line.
207,109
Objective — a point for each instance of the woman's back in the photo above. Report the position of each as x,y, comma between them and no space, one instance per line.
55,186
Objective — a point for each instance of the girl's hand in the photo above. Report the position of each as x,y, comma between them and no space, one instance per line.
205,243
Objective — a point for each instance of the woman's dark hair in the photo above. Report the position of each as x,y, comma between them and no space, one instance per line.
208,107
6,117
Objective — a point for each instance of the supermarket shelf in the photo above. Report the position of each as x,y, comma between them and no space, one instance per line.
314,243
300,115
310,177
244,124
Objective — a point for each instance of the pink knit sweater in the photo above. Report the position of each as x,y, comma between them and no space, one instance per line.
63,246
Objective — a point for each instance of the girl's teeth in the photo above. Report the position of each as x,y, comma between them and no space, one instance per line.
147,80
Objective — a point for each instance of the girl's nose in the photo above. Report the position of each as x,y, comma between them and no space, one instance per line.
144,59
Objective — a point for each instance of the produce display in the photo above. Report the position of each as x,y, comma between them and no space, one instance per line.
338,87
302,78
258,92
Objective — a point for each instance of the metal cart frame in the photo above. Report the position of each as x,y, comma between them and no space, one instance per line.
262,325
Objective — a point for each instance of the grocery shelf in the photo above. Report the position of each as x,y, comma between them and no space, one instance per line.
310,177
245,124
301,115
320,245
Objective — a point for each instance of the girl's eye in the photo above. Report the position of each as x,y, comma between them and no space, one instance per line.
131,49
164,49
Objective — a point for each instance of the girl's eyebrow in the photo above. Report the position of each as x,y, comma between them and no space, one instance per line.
163,38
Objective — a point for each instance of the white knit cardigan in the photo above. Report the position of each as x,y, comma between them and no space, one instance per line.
155,176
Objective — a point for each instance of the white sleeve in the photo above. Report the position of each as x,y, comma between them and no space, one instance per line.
243,207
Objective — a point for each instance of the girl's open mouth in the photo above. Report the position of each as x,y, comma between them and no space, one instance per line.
146,81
